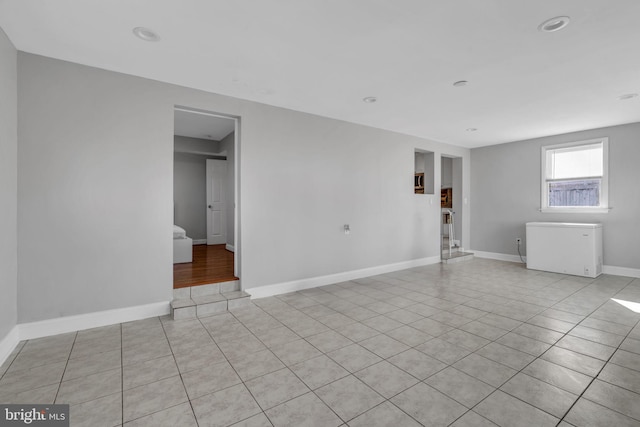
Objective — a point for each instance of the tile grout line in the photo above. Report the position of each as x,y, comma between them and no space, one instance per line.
231,365
603,366
181,379
447,364
402,324
322,353
538,357
319,303
285,367
293,372
384,333
234,369
65,370
386,360
15,356
142,385
578,324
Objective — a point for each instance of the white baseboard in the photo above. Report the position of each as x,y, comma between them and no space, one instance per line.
8,344
230,248
61,325
199,241
80,322
606,269
620,271
313,282
498,256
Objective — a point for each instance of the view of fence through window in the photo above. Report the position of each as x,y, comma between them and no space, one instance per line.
584,192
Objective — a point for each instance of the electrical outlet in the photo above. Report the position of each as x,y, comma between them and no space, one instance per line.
518,240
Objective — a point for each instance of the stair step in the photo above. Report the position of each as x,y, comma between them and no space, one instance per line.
204,303
457,257
208,299
235,295
239,302
183,309
210,308
209,289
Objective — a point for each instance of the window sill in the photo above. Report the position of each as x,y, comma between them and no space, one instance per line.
575,210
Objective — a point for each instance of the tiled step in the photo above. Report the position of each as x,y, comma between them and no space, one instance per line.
456,257
213,288
205,300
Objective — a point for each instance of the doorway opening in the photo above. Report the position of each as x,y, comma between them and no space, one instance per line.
205,190
451,205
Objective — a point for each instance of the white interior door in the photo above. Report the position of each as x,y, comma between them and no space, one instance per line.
216,202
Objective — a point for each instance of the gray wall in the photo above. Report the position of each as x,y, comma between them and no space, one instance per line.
95,194
458,199
190,194
447,172
228,144
8,187
95,190
505,183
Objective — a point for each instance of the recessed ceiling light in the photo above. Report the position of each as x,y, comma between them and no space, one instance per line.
627,96
471,129
146,34
554,24
370,99
460,83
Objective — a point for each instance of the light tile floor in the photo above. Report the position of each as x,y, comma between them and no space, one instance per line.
478,343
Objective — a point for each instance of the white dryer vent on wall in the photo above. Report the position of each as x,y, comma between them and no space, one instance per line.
568,248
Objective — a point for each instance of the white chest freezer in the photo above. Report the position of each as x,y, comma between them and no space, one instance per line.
562,247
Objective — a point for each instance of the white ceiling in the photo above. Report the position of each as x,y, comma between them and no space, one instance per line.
196,125
324,56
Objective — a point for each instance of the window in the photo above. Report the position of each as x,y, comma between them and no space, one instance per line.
574,177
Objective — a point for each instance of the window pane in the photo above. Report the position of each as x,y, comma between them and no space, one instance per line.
575,162
579,192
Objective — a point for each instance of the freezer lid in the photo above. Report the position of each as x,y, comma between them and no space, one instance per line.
563,225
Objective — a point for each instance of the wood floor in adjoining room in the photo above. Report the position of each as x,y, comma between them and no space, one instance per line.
211,264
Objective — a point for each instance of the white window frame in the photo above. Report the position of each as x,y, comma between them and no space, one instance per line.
604,187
